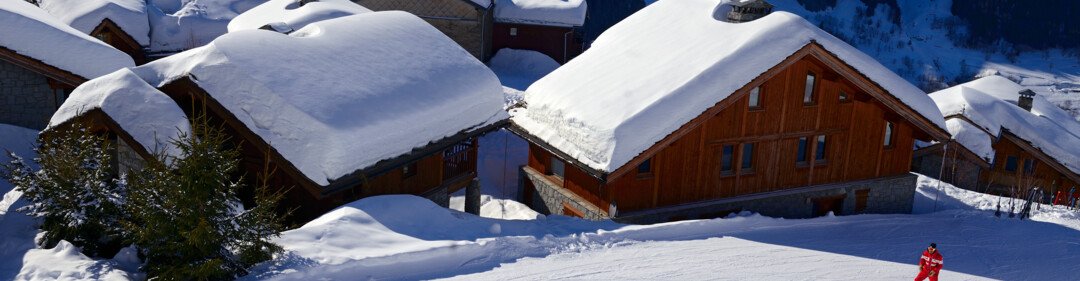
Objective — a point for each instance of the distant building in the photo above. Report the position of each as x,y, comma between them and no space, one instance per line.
680,114
370,104
467,22
42,60
1006,140
122,24
551,27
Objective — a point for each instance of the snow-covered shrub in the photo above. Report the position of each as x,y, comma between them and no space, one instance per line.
187,217
74,193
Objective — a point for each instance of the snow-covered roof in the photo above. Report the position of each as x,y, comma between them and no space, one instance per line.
566,13
339,95
85,15
665,65
972,137
32,32
146,114
293,16
991,104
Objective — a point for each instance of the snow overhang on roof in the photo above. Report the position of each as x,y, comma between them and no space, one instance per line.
31,32
663,66
341,95
562,13
990,103
291,14
85,15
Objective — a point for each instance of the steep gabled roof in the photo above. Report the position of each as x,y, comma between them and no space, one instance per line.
564,13
32,33
340,95
85,15
293,16
990,103
664,66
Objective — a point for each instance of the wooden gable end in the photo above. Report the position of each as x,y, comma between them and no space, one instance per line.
110,33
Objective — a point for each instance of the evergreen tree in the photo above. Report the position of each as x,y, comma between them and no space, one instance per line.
187,218
74,193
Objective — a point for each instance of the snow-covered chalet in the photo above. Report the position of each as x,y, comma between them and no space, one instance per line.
42,60
467,22
122,24
362,105
551,27
1007,140
677,113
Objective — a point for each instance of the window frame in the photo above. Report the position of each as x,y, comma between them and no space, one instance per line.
560,172
821,145
409,170
743,160
802,151
1013,161
730,160
843,96
810,88
890,135
750,105
1029,166
648,173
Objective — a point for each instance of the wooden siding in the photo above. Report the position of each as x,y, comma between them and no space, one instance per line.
107,31
999,181
687,168
559,43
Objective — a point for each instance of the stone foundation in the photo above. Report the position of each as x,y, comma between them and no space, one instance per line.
889,195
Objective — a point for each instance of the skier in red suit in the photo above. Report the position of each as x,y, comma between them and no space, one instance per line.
929,264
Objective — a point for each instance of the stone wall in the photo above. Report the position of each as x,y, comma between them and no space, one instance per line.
890,195
439,195
549,198
468,25
26,99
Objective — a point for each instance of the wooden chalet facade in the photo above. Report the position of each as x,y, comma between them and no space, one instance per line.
560,40
845,129
110,33
1015,159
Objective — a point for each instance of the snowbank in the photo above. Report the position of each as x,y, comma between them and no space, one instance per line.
990,103
66,262
518,69
148,115
293,16
565,13
661,67
32,32
177,25
85,15
504,209
340,95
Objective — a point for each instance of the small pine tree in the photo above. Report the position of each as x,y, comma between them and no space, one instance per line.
187,217
74,193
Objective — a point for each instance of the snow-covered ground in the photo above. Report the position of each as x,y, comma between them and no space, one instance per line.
406,237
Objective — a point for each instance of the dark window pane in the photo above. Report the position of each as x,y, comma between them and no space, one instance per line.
820,153
808,92
801,157
1010,163
843,96
1029,166
747,156
755,97
558,168
645,167
726,158
888,134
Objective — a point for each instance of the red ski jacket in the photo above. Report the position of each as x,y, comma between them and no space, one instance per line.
931,262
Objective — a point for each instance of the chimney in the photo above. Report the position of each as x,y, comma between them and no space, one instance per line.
748,10
1026,98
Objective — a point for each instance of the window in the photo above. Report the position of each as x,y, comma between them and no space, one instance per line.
726,159
558,168
1029,166
1010,163
844,96
513,31
755,98
889,134
409,170
802,152
819,154
808,92
747,157
645,167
